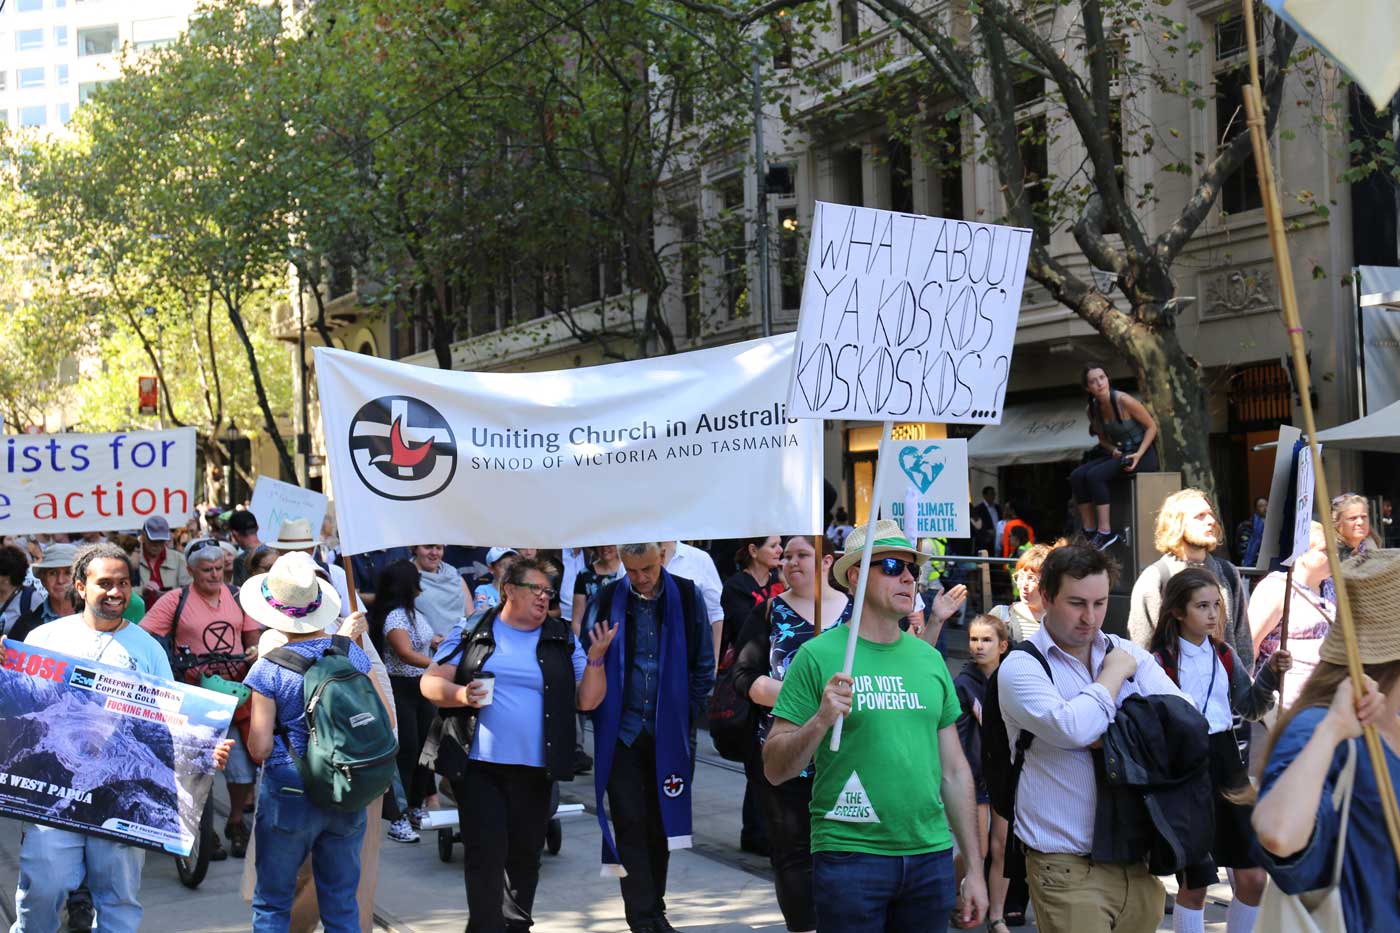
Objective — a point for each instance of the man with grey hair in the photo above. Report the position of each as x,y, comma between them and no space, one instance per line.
206,618
659,671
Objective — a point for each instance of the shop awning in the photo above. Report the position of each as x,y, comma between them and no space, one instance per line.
1041,432
1379,431
1378,286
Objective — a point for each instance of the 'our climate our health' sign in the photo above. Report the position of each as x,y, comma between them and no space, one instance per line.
925,487
95,482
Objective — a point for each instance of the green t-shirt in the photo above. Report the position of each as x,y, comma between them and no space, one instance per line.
880,793
136,609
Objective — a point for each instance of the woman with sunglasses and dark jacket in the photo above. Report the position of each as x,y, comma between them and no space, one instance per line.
507,683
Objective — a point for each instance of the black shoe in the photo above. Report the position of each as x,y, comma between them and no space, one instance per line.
661,925
80,916
237,838
217,853
583,762
1105,540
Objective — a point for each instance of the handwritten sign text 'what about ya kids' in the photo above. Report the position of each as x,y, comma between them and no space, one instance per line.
906,317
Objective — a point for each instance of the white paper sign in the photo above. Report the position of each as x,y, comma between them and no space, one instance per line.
95,482
1303,506
1278,491
275,502
906,318
693,445
931,478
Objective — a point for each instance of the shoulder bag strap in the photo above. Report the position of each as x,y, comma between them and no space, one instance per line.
1346,784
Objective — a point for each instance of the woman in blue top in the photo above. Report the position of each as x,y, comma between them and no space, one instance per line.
1297,824
292,599
507,683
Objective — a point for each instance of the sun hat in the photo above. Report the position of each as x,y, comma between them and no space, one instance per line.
156,528
496,553
57,555
294,535
888,537
291,597
1373,585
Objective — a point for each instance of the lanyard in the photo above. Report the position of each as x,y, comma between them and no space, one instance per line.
1210,688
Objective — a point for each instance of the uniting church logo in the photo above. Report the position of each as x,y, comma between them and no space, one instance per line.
402,448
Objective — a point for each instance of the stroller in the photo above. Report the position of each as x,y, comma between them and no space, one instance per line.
450,833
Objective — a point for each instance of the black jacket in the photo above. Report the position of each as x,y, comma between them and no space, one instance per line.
971,688
447,746
1155,793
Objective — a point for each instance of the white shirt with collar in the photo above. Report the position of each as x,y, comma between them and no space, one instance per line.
1057,794
697,567
1202,676
573,562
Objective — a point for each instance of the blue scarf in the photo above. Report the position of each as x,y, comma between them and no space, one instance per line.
673,761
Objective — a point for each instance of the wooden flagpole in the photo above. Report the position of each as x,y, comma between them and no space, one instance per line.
876,494
1254,108
1283,626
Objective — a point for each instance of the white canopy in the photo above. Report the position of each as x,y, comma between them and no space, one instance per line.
1378,286
1379,431
1041,432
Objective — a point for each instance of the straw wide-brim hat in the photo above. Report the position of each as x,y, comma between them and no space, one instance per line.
1373,588
889,539
291,597
294,535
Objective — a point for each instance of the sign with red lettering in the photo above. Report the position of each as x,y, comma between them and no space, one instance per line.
106,751
148,394
95,482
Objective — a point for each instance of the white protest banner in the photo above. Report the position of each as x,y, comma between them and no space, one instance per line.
931,477
693,445
1288,437
275,502
1305,489
906,318
95,482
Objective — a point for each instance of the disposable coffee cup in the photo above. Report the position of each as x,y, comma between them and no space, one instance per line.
487,680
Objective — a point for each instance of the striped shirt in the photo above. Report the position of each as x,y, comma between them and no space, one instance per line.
1057,794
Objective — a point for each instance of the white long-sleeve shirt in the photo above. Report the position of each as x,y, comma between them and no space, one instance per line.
1057,794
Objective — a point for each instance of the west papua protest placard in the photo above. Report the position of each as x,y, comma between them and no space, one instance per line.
106,751
692,445
95,482
907,318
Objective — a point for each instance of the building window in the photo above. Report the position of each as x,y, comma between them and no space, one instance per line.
4,79
29,6
950,171
901,176
65,112
1239,192
60,36
153,33
850,21
782,28
98,40
86,89
32,116
690,272
848,171
791,265
30,78
61,75
4,120
1035,159
27,40
736,278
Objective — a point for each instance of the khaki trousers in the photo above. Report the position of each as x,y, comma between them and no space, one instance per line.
1072,894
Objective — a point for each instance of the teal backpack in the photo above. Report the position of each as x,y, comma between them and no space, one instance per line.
352,752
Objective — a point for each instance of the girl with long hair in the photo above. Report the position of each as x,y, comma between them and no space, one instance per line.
406,641
1310,613
988,641
1186,642
1126,434
1313,750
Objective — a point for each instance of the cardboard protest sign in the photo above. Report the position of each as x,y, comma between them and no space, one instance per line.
95,482
106,751
1283,473
693,445
275,502
906,318
929,477
1305,487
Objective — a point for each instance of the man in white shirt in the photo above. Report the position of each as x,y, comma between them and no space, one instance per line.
682,560
1068,712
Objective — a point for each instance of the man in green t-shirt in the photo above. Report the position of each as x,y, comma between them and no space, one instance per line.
882,858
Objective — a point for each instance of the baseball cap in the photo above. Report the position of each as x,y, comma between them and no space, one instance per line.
496,553
156,528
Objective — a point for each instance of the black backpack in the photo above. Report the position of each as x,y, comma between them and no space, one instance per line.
731,724
31,614
1001,781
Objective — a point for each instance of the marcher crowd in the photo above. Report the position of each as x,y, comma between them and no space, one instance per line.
1063,771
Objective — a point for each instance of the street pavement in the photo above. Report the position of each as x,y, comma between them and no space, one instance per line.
713,888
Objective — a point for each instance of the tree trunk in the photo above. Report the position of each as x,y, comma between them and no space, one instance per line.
1170,382
269,421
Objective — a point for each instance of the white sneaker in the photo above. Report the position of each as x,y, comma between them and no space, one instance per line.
416,816
401,831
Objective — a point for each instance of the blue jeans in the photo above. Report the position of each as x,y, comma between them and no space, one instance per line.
859,893
288,829
52,862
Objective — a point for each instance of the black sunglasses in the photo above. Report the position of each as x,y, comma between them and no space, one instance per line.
894,567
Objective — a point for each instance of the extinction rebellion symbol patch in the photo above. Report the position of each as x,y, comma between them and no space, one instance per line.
402,448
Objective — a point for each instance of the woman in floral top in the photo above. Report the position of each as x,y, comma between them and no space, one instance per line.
406,642
768,641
